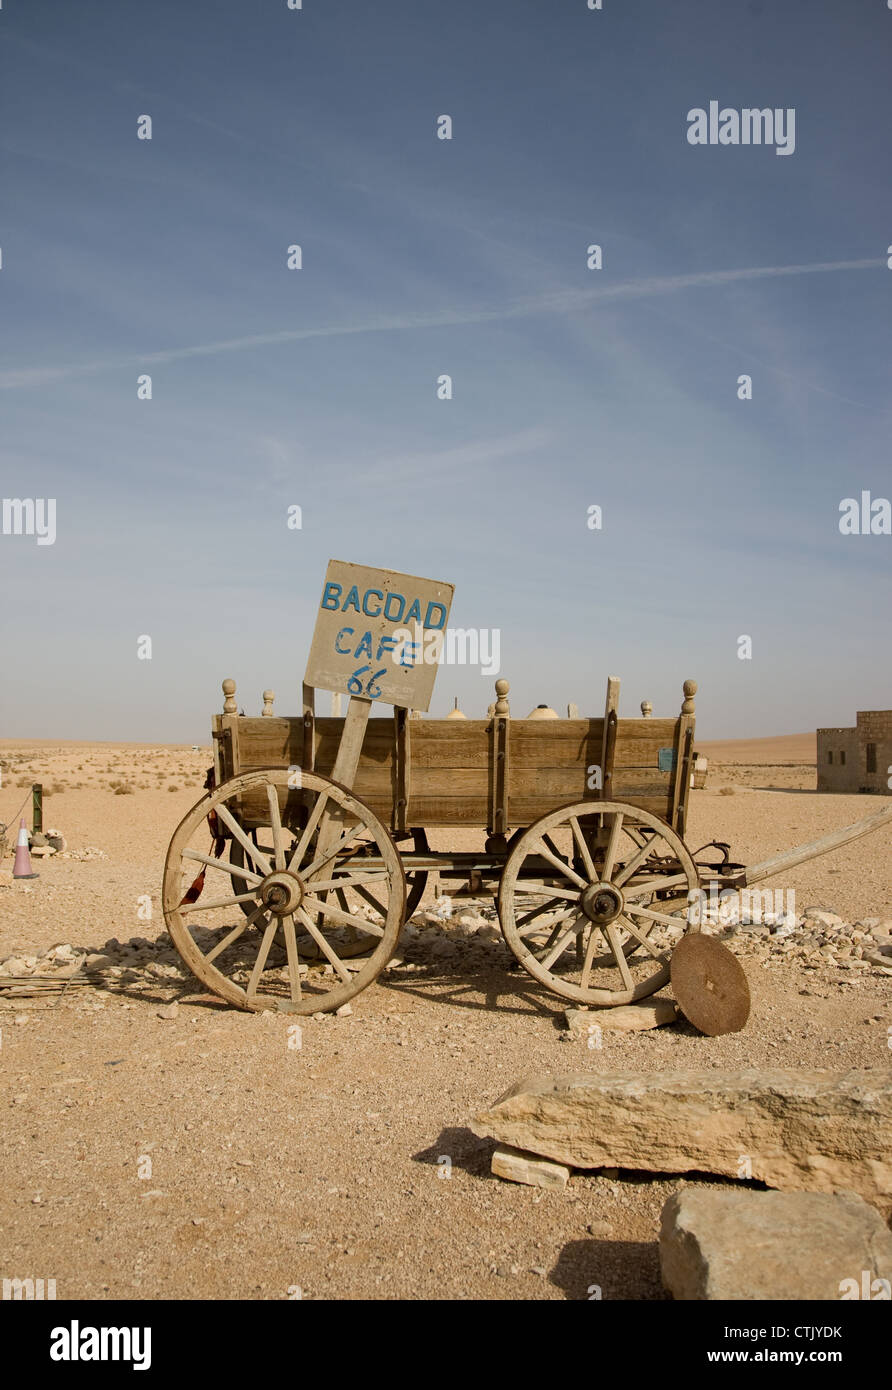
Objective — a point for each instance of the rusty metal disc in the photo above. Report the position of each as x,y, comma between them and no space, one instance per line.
710,985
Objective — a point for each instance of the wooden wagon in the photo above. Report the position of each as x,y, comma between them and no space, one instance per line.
584,847
318,828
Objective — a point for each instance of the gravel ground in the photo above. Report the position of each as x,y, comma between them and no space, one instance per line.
196,1152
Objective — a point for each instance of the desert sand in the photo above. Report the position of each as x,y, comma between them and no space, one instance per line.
200,1156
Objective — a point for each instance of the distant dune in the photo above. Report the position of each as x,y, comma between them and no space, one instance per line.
784,748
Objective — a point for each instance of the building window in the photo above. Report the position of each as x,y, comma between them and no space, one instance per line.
830,756
842,757
871,751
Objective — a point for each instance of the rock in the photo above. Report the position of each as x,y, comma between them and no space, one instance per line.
817,1130
14,965
344,1011
528,1168
5,878
62,952
737,1245
169,1011
626,1018
825,915
880,958
97,961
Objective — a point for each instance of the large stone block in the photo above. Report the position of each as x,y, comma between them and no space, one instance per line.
814,1130
774,1245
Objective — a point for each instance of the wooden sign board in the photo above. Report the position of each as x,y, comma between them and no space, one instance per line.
370,633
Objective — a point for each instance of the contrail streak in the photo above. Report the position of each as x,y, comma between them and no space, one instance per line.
556,302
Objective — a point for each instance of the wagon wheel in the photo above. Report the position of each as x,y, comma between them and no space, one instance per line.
416,881
295,897
572,901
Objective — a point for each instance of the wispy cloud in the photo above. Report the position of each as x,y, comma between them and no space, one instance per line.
568,301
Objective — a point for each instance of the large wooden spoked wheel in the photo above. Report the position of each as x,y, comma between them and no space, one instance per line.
581,893
308,910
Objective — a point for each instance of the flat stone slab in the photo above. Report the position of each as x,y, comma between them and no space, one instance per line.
818,1131
625,1018
518,1166
773,1245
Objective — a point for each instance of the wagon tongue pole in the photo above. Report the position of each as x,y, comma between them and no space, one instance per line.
767,868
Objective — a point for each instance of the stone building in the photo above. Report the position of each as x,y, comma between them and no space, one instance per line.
859,759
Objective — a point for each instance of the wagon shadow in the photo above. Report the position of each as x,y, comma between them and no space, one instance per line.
486,992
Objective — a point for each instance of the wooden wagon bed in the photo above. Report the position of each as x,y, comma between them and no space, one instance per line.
498,773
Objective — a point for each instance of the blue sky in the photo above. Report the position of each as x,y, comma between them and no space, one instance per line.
421,256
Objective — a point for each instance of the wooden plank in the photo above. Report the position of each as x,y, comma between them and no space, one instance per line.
608,737
344,771
402,740
682,790
767,868
218,746
308,746
229,728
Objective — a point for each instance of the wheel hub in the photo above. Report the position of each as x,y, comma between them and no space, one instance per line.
281,892
602,903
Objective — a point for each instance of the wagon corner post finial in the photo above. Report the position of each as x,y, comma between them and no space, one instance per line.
229,704
690,690
268,697
502,707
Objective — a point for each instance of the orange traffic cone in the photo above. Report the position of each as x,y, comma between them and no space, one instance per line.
22,866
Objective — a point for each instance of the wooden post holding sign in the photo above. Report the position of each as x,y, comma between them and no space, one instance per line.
378,636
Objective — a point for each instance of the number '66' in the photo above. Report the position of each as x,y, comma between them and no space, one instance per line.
371,688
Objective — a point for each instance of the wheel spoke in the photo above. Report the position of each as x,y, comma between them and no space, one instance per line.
247,874
635,862
583,848
610,857
655,916
619,955
589,953
564,868
370,899
268,938
630,927
233,935
560,945
272,797
293,958
526,926
527,886
244,840
339,918
651,885
307,833
332,853
351,882
219,902
323,945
